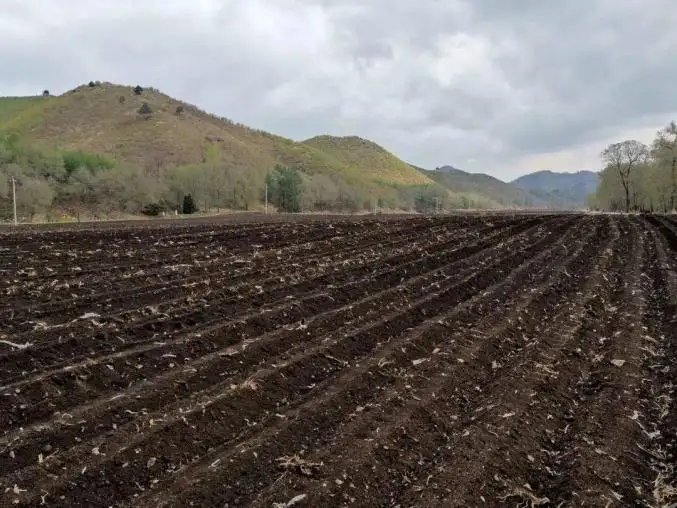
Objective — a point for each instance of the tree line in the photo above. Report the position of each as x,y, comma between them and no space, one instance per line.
53,185
639,177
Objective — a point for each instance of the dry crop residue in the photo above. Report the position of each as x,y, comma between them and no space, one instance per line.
503,360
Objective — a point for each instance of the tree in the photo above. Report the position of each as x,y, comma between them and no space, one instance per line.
35,196
189,205
319,193
127,189
179,110
78,191
138,90
45,93
76,159
664,151
285,188
145,110
624,157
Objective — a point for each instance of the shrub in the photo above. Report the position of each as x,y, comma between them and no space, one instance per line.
45,93
179,110
138,90
153,209
76,159
145,110
92,84
122,99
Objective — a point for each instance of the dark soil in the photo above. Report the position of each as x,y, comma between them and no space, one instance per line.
497,360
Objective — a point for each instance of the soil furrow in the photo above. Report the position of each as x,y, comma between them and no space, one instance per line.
512,428
364,342
396,361
355,388
385,431
226,300
276,256
207,368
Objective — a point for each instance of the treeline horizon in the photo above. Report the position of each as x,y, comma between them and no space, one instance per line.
639,177
58,184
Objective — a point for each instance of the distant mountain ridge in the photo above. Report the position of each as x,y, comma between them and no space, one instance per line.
560,190
541,189
503,194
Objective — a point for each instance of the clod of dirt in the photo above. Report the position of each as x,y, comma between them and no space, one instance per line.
617,362
527,497
299,465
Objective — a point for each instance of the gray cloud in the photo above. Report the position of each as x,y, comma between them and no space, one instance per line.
435,82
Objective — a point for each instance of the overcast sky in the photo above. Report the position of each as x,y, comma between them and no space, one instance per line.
504,87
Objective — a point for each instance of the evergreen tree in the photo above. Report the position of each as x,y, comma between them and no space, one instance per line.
189,204
285,189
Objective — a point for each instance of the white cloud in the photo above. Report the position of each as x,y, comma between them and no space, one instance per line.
507,87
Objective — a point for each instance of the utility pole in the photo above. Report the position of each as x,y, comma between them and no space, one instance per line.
14,198
438,207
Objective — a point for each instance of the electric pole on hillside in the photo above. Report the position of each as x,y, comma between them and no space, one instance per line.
14,198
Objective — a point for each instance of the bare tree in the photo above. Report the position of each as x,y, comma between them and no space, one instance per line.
37,196
625,157
664,150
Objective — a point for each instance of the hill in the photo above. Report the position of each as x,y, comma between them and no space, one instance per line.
142,141
149,130
105,119
362,155
497,192
560,190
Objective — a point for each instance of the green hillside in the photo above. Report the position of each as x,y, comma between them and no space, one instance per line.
177,148
13,106
104,119
90,148
368,159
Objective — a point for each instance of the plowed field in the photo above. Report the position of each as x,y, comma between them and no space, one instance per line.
505,360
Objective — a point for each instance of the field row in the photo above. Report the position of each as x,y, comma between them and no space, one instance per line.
447,361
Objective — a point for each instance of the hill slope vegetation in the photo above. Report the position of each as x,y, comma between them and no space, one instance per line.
178,149
102,149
